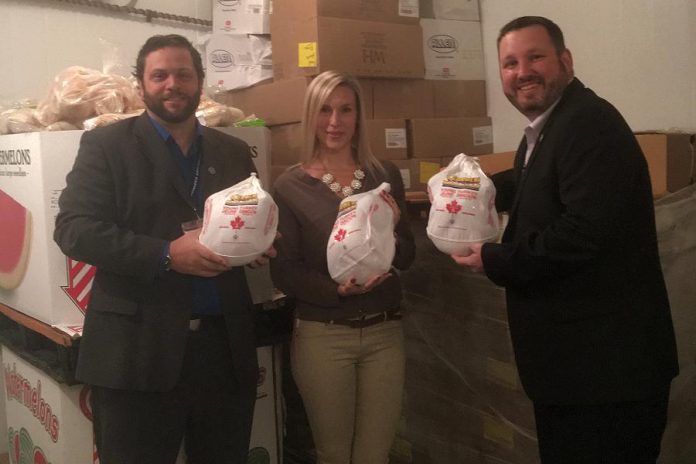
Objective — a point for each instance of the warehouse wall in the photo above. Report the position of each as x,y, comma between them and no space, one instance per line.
636,53
42,37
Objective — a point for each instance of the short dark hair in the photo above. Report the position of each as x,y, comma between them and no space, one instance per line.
527,21
157,42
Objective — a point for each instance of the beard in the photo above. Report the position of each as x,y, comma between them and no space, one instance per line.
156,105
553,89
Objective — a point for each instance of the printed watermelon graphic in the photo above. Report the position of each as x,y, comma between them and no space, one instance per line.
22,449
15,237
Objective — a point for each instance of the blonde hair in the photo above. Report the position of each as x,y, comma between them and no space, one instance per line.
316,95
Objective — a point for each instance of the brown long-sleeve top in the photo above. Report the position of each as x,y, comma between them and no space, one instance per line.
307,210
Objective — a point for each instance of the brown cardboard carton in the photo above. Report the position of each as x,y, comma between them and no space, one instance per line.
456,99
442,137
493,163
286,144
416,172
280,102
402,98
670,158
307,47
392,11
387,138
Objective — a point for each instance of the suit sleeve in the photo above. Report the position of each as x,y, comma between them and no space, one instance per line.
588,208
88,228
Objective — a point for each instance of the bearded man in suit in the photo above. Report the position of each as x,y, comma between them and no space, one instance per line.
168,345
587,305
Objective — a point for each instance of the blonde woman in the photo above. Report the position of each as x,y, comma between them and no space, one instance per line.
347,347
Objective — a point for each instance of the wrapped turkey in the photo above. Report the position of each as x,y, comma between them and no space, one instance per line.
362,243
240,222
462,207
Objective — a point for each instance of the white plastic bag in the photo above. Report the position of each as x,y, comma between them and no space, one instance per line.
362,243
462,207
240,222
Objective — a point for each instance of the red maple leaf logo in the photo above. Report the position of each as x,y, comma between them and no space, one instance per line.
237,223
454,207
340,235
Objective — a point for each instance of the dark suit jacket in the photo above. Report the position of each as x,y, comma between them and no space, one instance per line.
124,198
588,310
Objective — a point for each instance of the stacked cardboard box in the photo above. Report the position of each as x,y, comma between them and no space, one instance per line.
238,53
670,158
383,44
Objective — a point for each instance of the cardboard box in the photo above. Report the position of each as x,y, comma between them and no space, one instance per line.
286,144
442,137
493,163
45,419
387,138
460,10
402,98
459,99
277,102
310,46
280,102
416,172
241,16
237,61
259,140
53,288
388,11
670,158
453,49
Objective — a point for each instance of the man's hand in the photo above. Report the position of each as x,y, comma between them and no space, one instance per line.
472,260
189,256
351,288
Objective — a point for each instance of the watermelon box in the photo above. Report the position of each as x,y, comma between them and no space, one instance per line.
47,422
50,422
36,278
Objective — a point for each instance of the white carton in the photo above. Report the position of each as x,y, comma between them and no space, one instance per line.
242,16
50,422
267,428
47,422
259,140
461,10
53,289
453,49
237,61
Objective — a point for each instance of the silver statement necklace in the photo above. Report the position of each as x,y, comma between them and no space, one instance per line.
345,190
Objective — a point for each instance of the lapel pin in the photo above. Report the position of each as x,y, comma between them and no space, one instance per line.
211,170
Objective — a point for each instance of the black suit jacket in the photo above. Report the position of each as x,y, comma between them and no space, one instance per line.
588,309
124,198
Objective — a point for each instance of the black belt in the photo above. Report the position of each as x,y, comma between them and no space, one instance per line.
368,320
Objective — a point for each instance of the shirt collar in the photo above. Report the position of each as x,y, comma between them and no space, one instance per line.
164,133
534,128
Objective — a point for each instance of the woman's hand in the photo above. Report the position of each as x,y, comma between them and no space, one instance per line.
351,288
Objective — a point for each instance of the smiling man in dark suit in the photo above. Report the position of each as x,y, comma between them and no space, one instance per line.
588,309
168,344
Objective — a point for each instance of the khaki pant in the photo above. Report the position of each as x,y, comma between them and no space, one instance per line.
351,382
